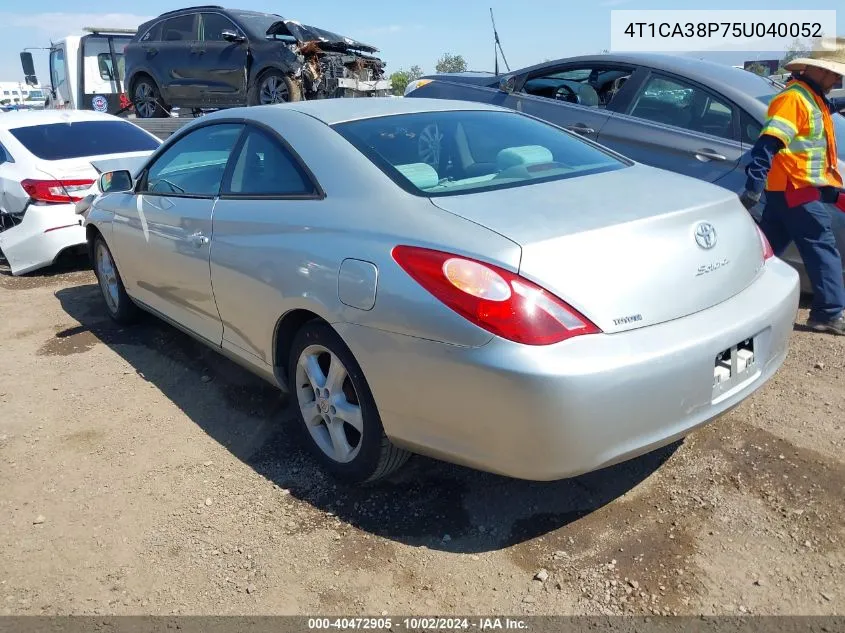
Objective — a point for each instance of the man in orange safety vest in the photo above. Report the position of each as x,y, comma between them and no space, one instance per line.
795,160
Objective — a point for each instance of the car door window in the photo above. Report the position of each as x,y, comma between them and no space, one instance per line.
593,86
57,74
194,165
154,34
264,167
750,128
180,28
213,25
673,102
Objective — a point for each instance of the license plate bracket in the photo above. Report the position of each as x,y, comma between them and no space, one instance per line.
735,366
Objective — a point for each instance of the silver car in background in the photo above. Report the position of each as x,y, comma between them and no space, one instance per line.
540,307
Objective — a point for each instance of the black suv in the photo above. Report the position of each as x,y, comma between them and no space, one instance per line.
209,57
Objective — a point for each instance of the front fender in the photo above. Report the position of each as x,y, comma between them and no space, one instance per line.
281,59
99,221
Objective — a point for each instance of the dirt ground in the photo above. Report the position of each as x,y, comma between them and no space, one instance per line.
143,474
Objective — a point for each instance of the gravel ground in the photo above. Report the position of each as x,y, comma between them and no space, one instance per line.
144,474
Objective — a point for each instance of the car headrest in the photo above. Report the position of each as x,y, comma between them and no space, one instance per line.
526,155
422,175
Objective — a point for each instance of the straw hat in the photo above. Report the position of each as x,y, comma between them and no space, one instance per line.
828,54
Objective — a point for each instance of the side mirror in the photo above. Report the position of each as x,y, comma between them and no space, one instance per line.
116,181
28,67
232,36
507,83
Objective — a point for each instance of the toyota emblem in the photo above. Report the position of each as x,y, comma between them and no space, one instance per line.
705,235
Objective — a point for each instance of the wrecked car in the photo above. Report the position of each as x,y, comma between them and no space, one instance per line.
210,57
49,160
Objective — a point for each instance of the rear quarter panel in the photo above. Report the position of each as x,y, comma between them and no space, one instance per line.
269,257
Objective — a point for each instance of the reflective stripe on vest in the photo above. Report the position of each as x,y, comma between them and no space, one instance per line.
807,154
813,146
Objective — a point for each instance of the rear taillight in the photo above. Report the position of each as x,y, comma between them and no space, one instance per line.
494,299
56,190
768,253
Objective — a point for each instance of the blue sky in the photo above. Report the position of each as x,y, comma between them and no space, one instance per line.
407,32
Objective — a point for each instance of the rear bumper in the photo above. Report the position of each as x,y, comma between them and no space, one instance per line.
46,231
545,413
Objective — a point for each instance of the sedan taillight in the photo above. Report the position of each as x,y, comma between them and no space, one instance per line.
768,253
492,298
56,190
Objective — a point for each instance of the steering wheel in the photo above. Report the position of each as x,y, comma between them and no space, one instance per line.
566,93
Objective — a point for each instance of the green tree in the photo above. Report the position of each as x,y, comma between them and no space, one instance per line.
758,69
400,79
798,48
449,63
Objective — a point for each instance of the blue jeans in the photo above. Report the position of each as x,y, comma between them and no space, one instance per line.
810,227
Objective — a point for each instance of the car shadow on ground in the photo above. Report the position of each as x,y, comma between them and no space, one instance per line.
427,503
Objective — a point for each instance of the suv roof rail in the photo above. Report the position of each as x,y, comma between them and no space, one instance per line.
202,6
105,30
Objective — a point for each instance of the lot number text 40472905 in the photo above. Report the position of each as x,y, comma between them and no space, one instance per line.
420,623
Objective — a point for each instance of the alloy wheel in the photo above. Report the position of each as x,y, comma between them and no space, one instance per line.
145,102
329,403
273,90
107,276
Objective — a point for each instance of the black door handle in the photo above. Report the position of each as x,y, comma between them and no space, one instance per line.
151,50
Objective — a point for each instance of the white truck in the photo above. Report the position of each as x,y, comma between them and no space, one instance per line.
86,73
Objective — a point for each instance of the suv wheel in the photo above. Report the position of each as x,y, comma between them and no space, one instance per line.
272,87
146,98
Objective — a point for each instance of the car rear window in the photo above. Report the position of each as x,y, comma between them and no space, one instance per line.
58,141
457,152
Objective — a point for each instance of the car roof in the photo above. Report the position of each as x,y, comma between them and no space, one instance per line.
735,80
27,118
331,111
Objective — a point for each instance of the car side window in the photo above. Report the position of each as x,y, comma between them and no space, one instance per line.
213,25
672,102
57,74
154,34
194,165
750,128
180,28
593,86
5,156
264,167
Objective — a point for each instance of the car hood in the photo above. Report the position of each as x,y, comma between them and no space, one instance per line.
305,33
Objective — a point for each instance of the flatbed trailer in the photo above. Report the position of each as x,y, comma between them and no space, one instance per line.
161,128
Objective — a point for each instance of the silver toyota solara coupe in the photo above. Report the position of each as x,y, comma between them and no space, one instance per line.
540,307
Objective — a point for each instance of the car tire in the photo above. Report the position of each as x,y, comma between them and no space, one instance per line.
120,306
276,82
324,393
147,100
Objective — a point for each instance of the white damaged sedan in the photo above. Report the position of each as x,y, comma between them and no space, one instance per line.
48,162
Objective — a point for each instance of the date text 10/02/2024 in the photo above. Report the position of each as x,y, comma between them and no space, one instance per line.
724,29
418,624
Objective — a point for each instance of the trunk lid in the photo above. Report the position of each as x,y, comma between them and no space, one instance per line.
622,247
